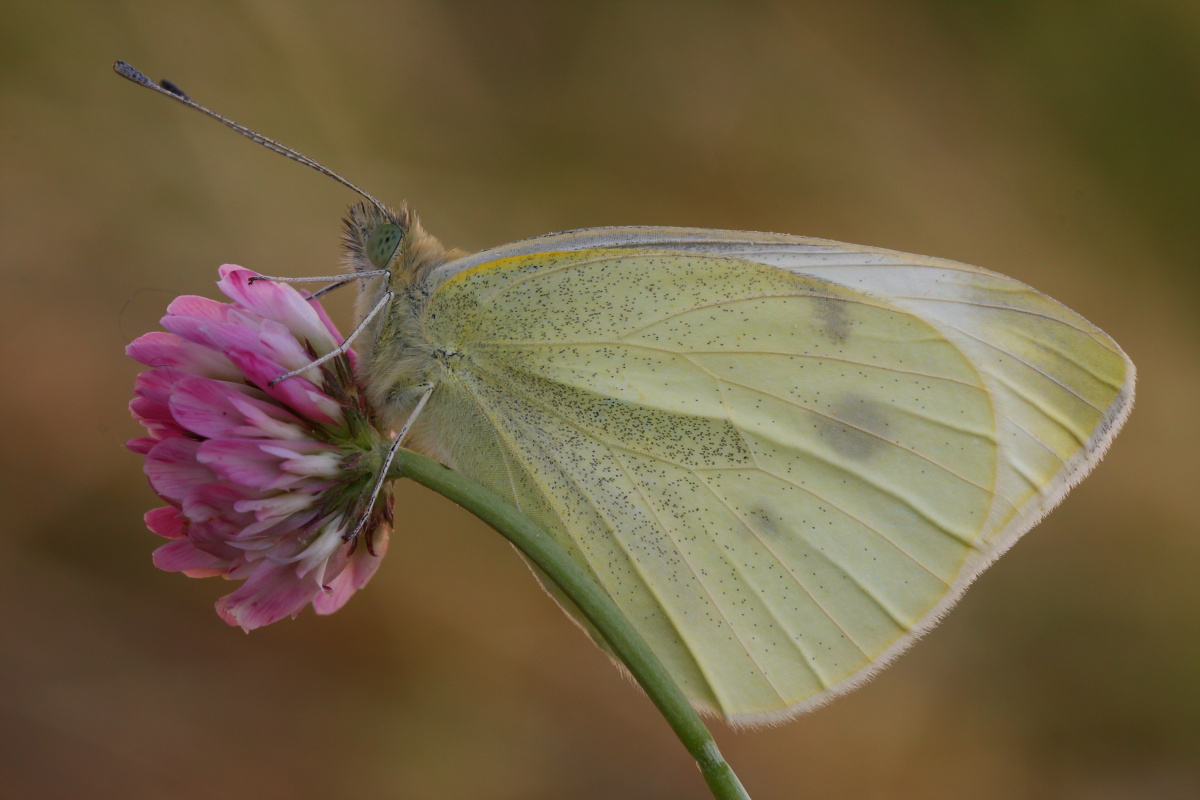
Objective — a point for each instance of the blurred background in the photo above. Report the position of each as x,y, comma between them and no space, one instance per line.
1056,142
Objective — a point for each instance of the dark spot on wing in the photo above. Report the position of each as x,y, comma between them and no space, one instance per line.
835,320
857,428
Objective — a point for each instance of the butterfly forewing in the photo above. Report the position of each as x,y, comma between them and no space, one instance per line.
1061,387
778,476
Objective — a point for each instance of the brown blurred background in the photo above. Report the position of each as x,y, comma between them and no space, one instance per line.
1056,142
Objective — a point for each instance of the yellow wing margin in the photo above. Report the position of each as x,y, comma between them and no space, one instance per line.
781,475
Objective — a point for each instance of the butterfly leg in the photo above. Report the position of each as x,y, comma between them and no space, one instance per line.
387,461
338,280
341,348
324,290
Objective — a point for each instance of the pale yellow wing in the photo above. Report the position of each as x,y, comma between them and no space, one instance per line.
783,463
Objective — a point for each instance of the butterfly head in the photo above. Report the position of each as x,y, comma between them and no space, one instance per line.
374,237
384,239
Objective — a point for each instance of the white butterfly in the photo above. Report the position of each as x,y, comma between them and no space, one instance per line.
783,458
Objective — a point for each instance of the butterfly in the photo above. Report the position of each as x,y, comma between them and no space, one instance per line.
783,458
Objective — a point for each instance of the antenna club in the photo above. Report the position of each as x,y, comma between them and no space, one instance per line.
129,72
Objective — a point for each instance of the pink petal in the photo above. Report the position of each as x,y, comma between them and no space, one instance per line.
150,411
272,592
197,331
268,420
298,392
167,522
217,408
279,530
157,384
161,349
279,344
358,571
313,460
274,508
156,418
215,505
173,469
151,403
190,305
142,444
210,538
265,337
279,302
244,462
326,555
183,556
326,320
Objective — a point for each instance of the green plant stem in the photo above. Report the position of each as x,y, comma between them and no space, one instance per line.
593,601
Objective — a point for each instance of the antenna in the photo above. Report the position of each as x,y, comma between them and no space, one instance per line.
172,91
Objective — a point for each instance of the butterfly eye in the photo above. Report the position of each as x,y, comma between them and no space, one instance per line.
382,243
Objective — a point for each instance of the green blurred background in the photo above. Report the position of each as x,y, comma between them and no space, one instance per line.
1058,142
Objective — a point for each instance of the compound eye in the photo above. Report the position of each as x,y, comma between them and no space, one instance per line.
382,243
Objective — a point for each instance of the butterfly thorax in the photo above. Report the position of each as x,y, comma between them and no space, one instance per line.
396,358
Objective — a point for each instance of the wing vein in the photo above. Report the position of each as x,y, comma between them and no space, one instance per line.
1025,396
1028,312
550,456
965,539
496,432
1068,358
830,417
729,301
500,343
796,578
666,531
